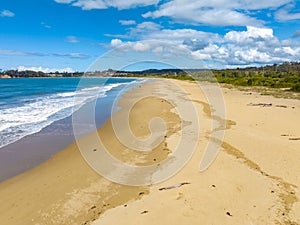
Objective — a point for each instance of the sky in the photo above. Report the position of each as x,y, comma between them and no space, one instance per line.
81,35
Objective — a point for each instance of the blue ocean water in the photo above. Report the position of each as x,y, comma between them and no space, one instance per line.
28,105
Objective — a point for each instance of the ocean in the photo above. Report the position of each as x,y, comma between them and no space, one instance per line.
35,115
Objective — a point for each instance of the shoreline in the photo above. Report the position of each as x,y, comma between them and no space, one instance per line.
47,139
34,149
63,167
65,190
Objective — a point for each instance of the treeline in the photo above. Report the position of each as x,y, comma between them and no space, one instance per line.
30,73
286,75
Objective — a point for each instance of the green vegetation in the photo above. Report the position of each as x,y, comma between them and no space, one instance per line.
180,76
286,75
30,73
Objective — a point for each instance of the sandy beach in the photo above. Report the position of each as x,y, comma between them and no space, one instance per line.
254,179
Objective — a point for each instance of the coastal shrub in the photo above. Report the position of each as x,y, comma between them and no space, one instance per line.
296,87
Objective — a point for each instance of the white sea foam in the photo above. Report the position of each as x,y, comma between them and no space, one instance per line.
34,115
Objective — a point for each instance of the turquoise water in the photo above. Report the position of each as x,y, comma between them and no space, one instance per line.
28,105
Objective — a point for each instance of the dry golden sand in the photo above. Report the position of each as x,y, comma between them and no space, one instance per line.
255,178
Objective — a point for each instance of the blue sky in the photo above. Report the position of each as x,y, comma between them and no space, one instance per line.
71,35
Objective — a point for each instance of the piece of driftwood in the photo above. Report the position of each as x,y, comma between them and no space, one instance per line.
294,139
261,104
174,186
281,106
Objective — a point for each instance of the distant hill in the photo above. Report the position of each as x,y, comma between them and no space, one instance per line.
276,70
153,71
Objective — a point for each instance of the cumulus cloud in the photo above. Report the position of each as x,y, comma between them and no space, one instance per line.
230,55
190,38
141,47
252,46
7,13
72,39
250,35
103,4
195,44
115,42
255,45
158,50
127,22
45,70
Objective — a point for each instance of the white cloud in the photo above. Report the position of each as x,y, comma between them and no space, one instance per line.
250,47
182,34
154,31
146,26
46,25
289,50
255,45
127,22
215,12
12,52
115,42
256,5
144,29
19,53
45,70
285,14
215,17
7,13
64,1
252,55
141,47
72,39
252,34
72,55
158,50
103,4
130,3
90,4
188,38
200,56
